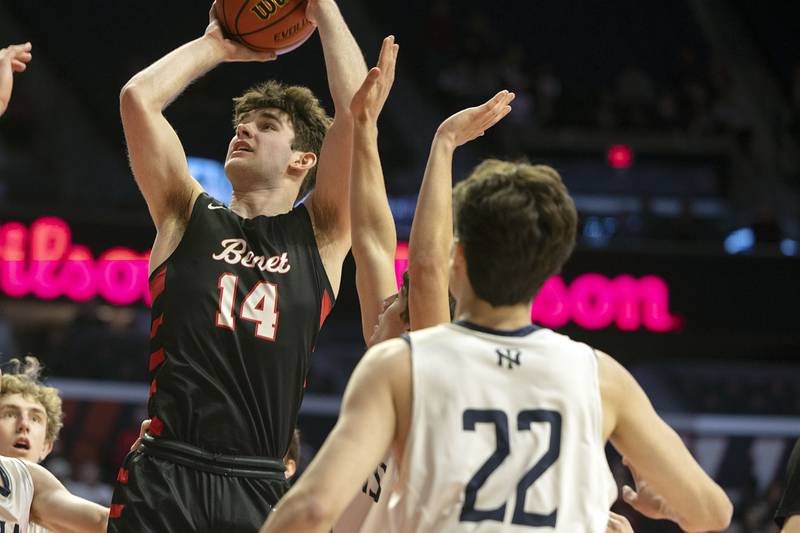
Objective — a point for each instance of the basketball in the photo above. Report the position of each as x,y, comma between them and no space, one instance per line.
263,25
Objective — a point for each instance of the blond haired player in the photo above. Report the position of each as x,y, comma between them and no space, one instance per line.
31,498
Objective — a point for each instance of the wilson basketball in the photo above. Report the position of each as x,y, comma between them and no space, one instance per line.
279,25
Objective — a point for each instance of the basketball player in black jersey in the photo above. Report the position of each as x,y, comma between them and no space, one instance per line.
239,293
13,58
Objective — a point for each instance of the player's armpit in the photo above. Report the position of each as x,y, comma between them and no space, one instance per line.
362,436
54,508
658,453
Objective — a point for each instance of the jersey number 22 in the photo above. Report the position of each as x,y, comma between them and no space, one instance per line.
500,421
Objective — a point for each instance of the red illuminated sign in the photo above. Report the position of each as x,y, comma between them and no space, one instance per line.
593,301
42,261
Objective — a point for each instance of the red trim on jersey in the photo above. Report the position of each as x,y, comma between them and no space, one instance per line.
153,387
156,324
157,284
122,475
326,307
156,426
116,510
156,358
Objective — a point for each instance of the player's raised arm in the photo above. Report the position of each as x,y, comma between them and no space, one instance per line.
375,410
13,58
346,70
55,508
156,154
690,497
371,224
432,229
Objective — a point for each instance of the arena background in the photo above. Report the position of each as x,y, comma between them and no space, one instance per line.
675,125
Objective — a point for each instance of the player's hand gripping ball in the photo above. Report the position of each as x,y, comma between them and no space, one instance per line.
266,25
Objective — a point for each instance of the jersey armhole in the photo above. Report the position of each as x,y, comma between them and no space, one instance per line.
406,337
193,216
322,274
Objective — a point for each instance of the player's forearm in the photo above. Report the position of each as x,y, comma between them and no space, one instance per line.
714,514
91,518
374,238
160,83
298,514
344,61
371,221
432,229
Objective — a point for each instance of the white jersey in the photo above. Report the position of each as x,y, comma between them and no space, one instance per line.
16,496
366,511
505,435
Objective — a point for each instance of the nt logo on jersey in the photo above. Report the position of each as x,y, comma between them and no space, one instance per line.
509,356
367,489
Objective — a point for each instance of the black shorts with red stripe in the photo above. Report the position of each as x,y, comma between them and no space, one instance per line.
170,486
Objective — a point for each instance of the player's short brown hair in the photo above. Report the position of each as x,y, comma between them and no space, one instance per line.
22,377
517,225
309,119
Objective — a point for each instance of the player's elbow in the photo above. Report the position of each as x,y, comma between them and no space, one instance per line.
721,512
100,520
132,100
716,515
426,267
319,513
311,512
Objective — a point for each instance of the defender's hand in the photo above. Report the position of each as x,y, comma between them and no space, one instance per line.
232,50
368,101
145,425
472,122
13,58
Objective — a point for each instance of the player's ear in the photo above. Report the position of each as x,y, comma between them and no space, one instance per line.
303,161
290,467
457,257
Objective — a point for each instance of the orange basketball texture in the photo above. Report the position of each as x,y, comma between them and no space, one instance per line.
279,25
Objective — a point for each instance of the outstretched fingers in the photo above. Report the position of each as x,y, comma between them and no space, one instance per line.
369,99
495,109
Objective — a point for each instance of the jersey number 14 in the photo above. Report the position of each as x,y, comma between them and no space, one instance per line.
259,306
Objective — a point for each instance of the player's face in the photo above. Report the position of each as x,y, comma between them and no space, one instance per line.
23,428
390,322
261,146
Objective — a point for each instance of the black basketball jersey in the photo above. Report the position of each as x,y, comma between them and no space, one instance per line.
236,312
